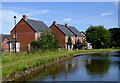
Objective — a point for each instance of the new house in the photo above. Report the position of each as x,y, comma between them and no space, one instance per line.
3,41
26,31
63,32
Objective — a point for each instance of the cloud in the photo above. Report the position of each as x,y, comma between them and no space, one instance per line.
116,3
28,11
37,12
67,19
8,21
34,18
106,14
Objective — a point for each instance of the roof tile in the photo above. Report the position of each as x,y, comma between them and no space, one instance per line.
75,31
37,25
64,30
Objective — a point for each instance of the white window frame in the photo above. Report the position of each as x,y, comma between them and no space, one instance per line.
15,35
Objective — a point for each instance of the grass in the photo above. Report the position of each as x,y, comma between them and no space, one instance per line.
12,63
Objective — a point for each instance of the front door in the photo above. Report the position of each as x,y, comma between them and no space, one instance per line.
12,47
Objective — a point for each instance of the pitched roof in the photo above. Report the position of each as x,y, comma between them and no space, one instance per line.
2,37
75,31
83,33
37,25
64,29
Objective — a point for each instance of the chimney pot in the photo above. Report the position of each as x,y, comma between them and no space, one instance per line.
1,33
54,22
24,16
66,24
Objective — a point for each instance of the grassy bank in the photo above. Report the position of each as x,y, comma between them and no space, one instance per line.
12,63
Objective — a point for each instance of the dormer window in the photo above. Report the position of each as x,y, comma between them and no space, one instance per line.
15,35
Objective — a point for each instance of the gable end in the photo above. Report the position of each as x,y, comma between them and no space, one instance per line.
25,22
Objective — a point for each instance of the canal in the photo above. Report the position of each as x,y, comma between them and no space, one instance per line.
94,67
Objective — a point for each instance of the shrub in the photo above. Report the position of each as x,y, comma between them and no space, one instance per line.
47,41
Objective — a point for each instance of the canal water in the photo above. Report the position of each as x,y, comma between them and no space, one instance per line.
94,67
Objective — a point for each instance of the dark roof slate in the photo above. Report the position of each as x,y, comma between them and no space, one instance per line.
64,30
2,37
75,31
38,25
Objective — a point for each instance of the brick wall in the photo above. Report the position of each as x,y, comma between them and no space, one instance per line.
5,47
76,39
66,40
59,34
24,34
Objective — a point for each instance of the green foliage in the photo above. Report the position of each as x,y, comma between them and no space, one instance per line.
115,37
47,41
84,43
12,63
94,67
69,41
98,36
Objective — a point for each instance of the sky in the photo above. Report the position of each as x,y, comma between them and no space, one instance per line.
78,14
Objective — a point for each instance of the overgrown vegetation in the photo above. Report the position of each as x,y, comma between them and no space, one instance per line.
84,43
98,36
115,37
47,40
69,43
12,63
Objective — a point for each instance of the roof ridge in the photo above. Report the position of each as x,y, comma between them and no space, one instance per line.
65,26
60,24
34,20
74,30
65,30
37,25
70,26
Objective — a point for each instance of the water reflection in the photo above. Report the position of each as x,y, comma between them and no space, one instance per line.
96,67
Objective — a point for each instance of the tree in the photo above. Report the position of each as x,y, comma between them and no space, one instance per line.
47,41
79,46
97,67
84,44
69,43
98,36
115,37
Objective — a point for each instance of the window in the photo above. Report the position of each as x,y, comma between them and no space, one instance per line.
5,44
15,35
13,46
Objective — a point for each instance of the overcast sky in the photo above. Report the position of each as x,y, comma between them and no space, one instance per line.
78,14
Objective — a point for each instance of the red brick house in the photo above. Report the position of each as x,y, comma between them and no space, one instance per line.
63,31
26,31
3,41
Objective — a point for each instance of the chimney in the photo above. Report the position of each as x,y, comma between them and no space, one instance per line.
1,33
24,16
54,22
66,24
